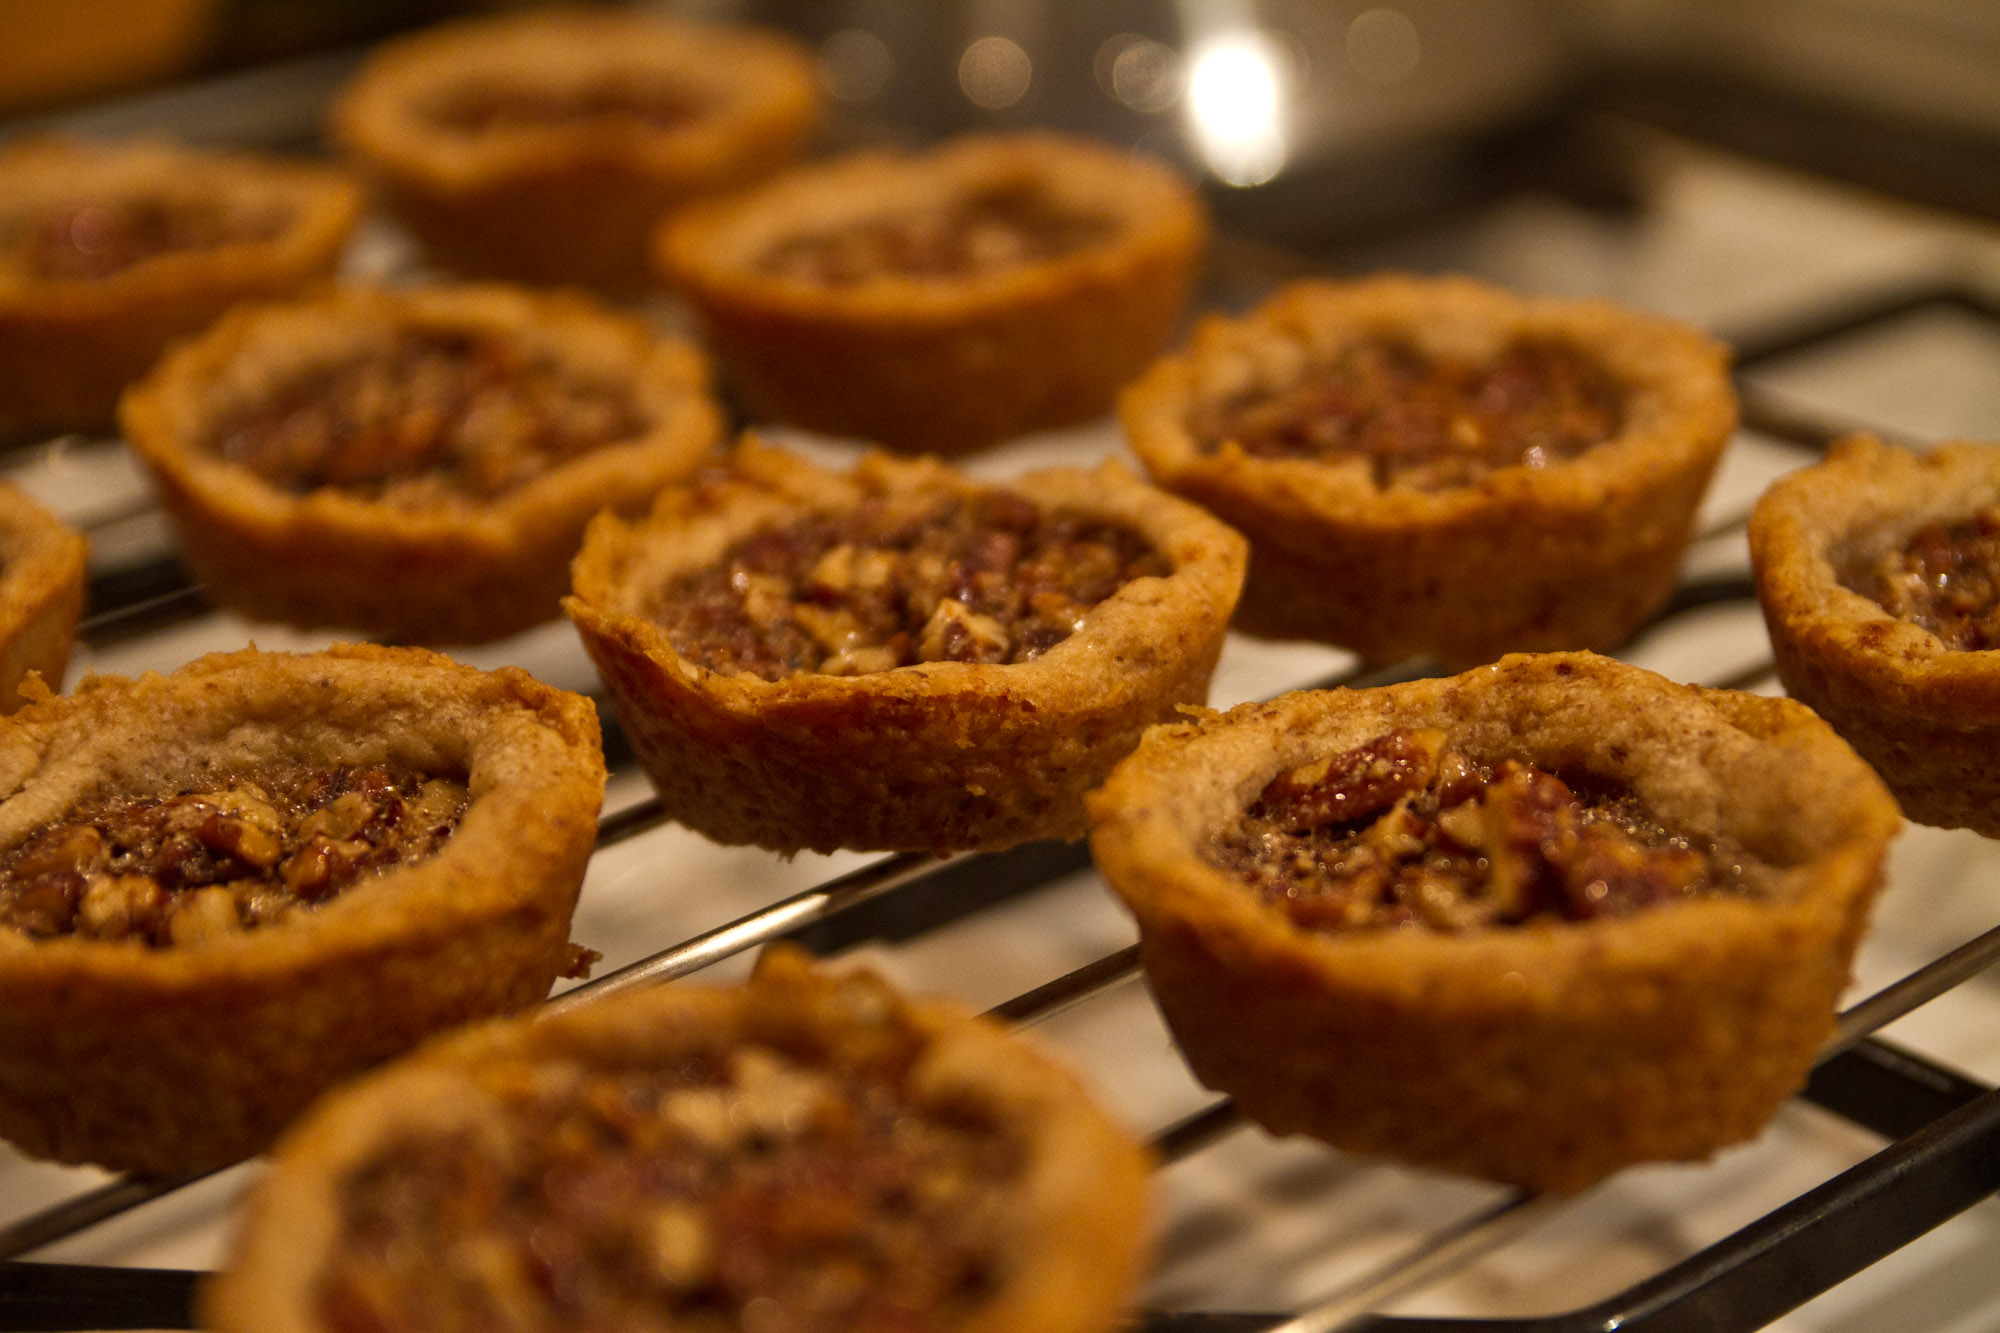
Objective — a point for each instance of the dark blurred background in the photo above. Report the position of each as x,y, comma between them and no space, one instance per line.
1309,119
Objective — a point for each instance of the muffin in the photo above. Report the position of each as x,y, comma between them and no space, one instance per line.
1532,923
1879,573
543,146
224,890
108,252
938,302
418,464
813,1150
898,657
1438,466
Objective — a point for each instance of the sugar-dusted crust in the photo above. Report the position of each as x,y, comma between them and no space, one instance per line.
42,566
162,1060
1572,555
943,364
1546,1054
941,755
1926,716
457,572
570,203
1073,1230
69,345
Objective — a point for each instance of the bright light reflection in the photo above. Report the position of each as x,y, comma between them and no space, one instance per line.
995,73
1234,98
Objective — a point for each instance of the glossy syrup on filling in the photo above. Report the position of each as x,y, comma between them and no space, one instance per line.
1405,831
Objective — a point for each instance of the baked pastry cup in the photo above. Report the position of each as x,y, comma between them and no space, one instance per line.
417,464
195,941
941,301
1433,465
1040,627
110,251
824,1146
1575,1013
544,146
1919,701
42,566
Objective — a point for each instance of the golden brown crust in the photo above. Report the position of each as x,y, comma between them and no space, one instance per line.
166,1060
1575,554
457,572
942,755
1074,1232
1927,717
570,203
69,345
1546,1054
42,566
943,364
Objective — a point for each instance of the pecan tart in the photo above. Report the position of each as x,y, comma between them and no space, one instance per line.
804,1152
42,568
224,890
1533,923
942,301
1879,573
544,146
110,251
418,464
1438,466
899,657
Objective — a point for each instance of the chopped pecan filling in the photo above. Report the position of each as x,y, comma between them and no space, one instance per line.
427,419
181,869
745,1189
1402,831
1428,422
96,238
986,232
1945,579
989,579
642,100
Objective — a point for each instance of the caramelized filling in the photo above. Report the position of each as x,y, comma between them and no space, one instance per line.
96,238
989,578
986,232
641,100
180,869
1945,579
1402,831
1428,422
428,418
745,1189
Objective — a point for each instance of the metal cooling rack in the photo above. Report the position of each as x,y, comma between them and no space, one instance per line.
1942,1130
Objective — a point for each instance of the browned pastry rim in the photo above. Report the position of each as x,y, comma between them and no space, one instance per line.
186,1058
1572,555
1546,1054
42,567
1074,1227
943,364
458,572
574,202
1926,716
68,345
934,756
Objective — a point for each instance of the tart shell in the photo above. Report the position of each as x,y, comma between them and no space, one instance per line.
42,566
570,203
942,365
1927,717
69,346
1073,1240
941,755
1576,554
459,572
1547,1054
188,1058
